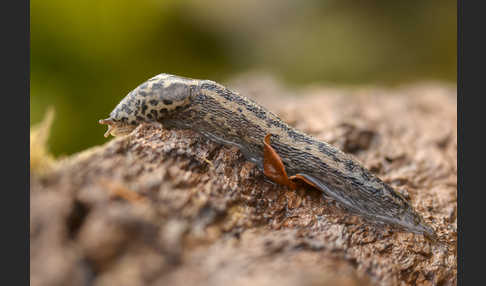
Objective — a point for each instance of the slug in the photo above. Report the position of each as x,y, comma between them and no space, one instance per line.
285,154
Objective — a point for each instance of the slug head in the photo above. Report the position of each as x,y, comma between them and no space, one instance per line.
153,101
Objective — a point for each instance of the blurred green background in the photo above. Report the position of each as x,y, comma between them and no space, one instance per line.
87,55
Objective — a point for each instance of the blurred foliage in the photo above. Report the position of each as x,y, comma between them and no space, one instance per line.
86,55
40,159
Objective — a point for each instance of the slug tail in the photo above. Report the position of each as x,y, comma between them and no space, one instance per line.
410,220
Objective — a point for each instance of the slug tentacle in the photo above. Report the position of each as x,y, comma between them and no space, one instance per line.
226,117
108,122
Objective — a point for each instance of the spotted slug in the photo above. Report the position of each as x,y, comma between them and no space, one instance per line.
284,154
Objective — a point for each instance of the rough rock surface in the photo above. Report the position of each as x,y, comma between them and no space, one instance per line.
168,207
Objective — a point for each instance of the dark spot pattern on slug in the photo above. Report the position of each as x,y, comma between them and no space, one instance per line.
239,109
153,102
154,113
174,92
329,152
365,175
233,97
167,101
297,136
350,166
143,85
163,111
144,107
257,111
126,109
277,123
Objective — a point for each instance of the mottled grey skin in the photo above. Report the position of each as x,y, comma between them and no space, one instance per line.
228,118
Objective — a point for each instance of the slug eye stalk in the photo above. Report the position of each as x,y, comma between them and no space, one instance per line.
110,124
116,128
